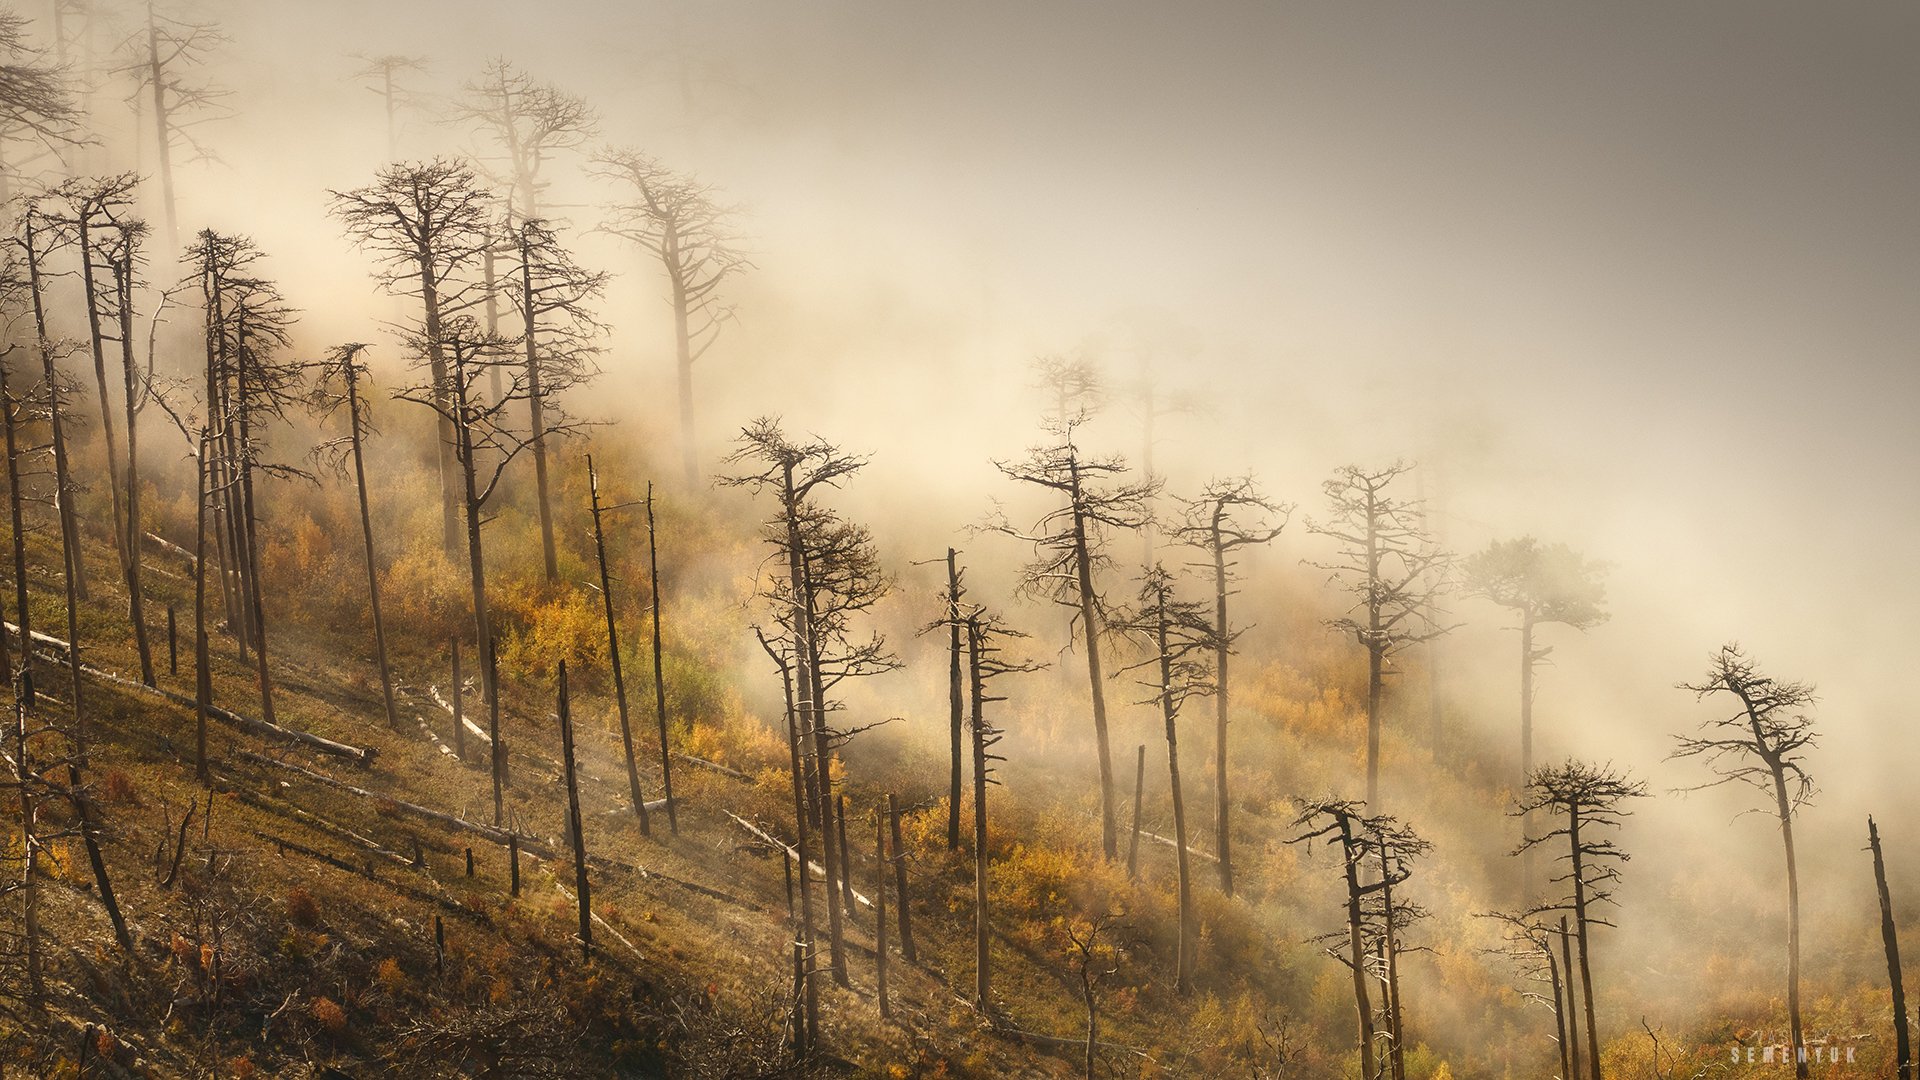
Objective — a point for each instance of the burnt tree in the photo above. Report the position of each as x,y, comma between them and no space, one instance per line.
527,122
1070,540
344,368
1229,515
613,644
1762,743
1902,1046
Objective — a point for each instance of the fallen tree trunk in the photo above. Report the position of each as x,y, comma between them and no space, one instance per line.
767,837
362,754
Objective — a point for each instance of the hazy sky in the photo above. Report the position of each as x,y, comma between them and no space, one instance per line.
1637,276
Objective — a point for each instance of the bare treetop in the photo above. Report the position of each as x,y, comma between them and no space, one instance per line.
1075,383
1387,559
528,121
1582,797
1766,733
685,223
1230,513
811,462
432,211
34,96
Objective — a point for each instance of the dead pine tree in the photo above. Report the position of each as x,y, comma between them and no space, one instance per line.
1902,1046
1228,515
94,216
1394,845
425,224
481,429
1587,802
899,860
659,668
250,384
1390,564
1179,641
807,968
553,295
825,575
382,74
880,911
985,635
956,699
1542,584
13,416
1528,945
163,58
343,367
527,122
1094,961
1092,501
1341,824
576,837
613,644
696,237
1762,743
38,110
36,233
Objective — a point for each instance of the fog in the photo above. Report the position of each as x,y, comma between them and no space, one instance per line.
1639,278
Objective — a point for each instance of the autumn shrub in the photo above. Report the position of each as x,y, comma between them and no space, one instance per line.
301,907
116,786
328,1014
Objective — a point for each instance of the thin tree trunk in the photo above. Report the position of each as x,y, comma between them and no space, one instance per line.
574,831
63,478
162,128
250,529
846,853
450,440
202,672
477,577
1559,1014
880,912
659,672
683,363
900,882
1903,1049
1376,653
1083,574
956,703
1139,787
29,852
136,600
458,694
1580,929
366,535
97,340
1390,952
15,498
1573,1005
982,917
1223,838
1526,743
1188,943
1785,808
613,640
537,422
1357,952
801,845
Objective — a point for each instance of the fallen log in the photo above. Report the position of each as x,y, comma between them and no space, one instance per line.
362,754
812,866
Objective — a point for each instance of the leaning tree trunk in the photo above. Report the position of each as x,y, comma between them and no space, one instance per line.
956,703
1573,1006
613,644
366,536
1785,809
1903,1049
62,472
1083,579
659,673
1559,1013
574,831
1184,961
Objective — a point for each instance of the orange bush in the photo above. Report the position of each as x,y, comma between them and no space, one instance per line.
328,1014
301,906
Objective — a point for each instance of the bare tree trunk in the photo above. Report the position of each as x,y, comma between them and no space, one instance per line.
659,672
880,912
250,530
477,578
450,440
1188,943
956,701
805,942
1357,952
1083,574
1785,808
1580,929
1376,653
15,498
1573,1005
683,365
63,478
613,633
574,831
1903,1049
900,882
458,694
136,601
29,852
537,429
1390,952
96,338
366,535
202,672
1559,1014
1526,743
1223,838
846,854
1139,787
982,918
163,131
